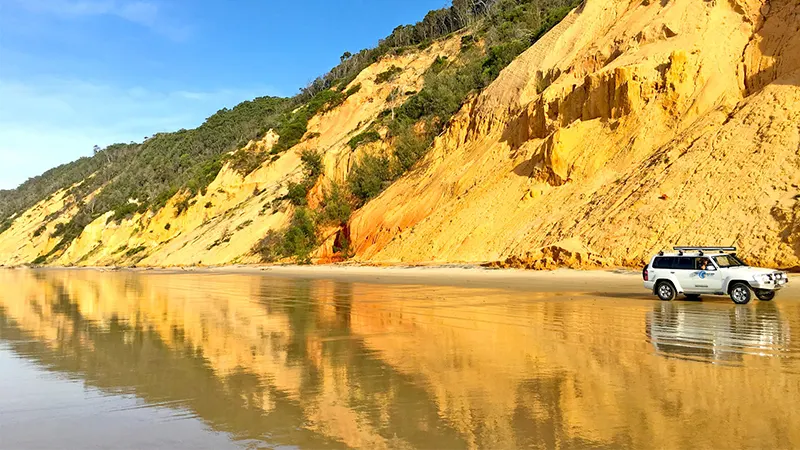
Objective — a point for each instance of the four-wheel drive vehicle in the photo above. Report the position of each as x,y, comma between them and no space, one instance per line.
693,271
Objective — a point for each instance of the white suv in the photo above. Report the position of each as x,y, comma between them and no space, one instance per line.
693,271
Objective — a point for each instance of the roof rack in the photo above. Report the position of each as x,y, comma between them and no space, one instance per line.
701,250
708,249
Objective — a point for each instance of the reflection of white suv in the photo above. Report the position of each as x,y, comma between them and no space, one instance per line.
693,271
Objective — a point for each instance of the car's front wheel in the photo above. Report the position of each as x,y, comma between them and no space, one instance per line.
765,295
665,291
740,293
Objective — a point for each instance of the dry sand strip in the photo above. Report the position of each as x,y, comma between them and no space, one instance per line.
602,282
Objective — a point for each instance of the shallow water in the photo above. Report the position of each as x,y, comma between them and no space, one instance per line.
150,360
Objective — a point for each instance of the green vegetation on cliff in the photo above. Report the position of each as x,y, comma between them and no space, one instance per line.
507,29
137,177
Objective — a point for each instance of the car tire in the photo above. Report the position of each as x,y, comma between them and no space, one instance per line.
693,297
665,291
741,293
765,295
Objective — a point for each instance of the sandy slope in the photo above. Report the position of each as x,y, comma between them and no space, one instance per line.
673,122
221,225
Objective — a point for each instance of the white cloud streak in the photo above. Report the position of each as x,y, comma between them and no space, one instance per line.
148,14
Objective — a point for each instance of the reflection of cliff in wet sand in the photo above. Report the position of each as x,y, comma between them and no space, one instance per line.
320,363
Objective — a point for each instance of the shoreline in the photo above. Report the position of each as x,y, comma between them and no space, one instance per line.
464,275
618,282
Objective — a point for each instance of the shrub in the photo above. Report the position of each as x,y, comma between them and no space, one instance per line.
438,64
353,90
500,56
364,138
388,75
312,164
292,131
369,177
39,231
270,247
244,225
245,162
59,229
410,148
182,205
225,237
312,169
135,251
554,16
41,259
342,246
124,211
336,208
338,99
300,238
6,224
297,193
295,124
467,42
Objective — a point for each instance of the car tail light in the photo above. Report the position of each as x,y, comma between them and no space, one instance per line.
645,275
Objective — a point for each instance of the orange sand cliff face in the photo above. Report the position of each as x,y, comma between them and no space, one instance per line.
673,122
630,127
222,225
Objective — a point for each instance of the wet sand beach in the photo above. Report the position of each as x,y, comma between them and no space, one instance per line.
373,357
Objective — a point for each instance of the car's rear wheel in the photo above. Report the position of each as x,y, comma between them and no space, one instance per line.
765,295
665,291
740,293
693,297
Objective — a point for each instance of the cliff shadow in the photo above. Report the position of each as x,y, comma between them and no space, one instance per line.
778,42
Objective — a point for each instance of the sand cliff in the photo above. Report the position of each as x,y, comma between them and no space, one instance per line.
673,122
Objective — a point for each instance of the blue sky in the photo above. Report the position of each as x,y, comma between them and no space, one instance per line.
75,73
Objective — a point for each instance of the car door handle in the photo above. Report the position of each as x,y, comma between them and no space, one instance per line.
672,273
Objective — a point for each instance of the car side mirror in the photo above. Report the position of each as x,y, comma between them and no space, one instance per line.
711,269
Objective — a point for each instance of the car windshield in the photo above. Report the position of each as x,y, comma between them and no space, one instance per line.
729,261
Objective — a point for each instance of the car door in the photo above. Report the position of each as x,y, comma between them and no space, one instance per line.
684,269
705,281
711,279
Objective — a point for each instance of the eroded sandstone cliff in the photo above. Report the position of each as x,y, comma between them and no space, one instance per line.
633,126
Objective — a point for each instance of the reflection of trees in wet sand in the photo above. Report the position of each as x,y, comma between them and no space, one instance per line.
319,363
252,357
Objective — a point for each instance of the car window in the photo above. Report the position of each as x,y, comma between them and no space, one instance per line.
663,263
698,263
684,263
728,261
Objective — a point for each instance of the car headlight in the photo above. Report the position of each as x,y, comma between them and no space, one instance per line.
765,278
